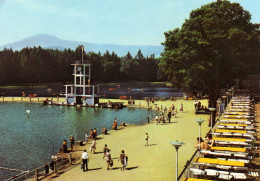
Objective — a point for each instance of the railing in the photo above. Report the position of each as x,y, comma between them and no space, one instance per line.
186,170
43,171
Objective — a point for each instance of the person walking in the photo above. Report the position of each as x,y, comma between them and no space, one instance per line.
146,139
123,160
85,159
108,159
105,150
71,142
93,146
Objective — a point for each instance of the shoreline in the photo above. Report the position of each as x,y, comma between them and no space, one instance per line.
145,163
155,162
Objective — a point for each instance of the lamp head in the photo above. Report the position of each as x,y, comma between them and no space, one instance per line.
211,109
176,144
200,121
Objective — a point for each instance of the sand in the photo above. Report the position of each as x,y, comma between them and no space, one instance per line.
154,162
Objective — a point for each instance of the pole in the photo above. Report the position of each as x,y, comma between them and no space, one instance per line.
177,164
199,135
227,99
82,52
211,119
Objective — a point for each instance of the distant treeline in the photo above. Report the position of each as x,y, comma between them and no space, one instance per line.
38,65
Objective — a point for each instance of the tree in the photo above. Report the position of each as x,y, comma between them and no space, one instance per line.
211,49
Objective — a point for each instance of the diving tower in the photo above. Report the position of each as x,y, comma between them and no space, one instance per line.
82,92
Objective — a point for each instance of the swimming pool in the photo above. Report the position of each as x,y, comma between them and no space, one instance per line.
27,143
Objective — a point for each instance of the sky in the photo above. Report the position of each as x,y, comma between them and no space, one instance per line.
124,22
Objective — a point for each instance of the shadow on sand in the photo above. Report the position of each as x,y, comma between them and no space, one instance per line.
131,168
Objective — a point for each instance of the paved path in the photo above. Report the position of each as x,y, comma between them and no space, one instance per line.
155,162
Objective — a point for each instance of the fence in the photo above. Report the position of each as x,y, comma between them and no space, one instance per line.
186,170
43,171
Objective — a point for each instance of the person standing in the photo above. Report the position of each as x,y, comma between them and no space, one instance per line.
71,142
92,134
85,158
195,104
146,139
165,110
95,133
169,115
175,113
181,109
64,145
148,119
86,137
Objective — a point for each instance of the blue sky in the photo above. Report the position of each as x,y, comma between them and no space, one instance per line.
126,22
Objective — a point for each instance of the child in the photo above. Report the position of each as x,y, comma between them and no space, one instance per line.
146,138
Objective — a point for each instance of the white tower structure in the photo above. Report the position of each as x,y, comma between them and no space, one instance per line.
82,92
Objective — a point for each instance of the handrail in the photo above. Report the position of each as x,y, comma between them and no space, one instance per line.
189,161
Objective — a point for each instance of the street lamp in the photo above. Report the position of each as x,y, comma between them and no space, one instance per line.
232,91
224,97
200,121
177,145
211,109
227,93
218,103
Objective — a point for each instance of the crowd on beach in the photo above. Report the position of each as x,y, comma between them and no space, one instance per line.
163,114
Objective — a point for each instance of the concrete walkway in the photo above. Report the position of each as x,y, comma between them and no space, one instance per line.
155,162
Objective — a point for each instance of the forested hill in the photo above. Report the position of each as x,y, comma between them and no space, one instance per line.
38,65
53,42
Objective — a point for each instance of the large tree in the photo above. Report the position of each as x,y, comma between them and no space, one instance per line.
211,49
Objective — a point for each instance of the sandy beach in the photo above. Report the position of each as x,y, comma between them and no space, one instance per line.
155,162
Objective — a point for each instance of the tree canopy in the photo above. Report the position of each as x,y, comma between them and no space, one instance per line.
38,65
213,47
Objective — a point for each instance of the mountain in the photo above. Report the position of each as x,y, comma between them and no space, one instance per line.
53,42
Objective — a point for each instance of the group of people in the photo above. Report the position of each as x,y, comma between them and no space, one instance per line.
198,106
93,133
205,144
167,114
107,156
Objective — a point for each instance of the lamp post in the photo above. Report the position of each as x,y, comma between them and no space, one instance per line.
224,97
227,93
200,121
177,145
218,103
211,109
232,91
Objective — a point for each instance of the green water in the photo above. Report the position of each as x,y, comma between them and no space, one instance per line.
27,143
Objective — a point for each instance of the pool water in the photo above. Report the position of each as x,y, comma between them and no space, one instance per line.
28,142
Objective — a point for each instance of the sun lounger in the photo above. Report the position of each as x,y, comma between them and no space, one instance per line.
225,177
240,176
219,162
196,171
